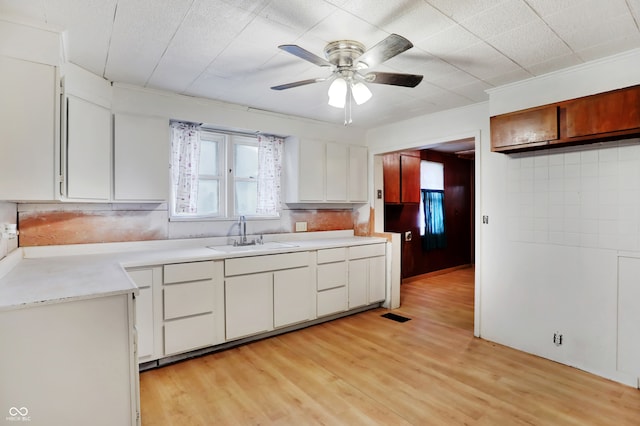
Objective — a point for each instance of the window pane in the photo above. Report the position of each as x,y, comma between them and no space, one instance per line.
208,190
245,158
208,158
246,198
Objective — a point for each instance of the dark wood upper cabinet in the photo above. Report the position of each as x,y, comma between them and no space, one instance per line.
604,113
401,178
597,118
534,126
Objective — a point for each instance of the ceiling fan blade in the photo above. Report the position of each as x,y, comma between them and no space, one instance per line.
386,49
304,54
298,83
396,79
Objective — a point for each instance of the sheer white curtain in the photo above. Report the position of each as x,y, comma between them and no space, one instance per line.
185,163
269,173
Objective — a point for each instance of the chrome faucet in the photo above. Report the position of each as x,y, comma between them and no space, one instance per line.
242,225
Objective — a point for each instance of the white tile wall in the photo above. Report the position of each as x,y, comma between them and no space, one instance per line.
586,196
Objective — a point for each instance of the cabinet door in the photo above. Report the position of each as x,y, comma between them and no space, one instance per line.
391,176
358,282
377,279
311,171
141,158
336,172
608,112
88,151
248,304
358,174
531,127
293,300
27,120
410,179
148,312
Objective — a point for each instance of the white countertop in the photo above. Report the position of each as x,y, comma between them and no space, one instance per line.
65,273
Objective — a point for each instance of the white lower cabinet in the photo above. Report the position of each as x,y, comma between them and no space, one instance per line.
267,292
187,306
71,363
332,281
367,272
249,306
293,300
193,306
148,311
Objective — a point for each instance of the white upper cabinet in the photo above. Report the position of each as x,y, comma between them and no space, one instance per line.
141,158
358,174
318,172
27,120
86,136
88,151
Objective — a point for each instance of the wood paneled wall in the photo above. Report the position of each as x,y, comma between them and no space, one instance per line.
459,204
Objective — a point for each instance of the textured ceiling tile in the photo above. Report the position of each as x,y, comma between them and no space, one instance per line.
519,45
463,9
610,47
195,45
510,77
551,7
482,61
475,91
342,25
555,64
379,12
447,41
140,36
88,30
298,14
504,17
602,27
421,22
454,78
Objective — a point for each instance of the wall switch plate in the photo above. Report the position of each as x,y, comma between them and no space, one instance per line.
301,226
379,194
408,236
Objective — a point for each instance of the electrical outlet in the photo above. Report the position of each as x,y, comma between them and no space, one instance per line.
557,339
485,219
379,194
301,226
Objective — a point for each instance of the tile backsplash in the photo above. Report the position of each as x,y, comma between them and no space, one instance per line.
583,196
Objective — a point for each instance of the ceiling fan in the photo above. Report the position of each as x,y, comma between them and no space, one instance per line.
347,60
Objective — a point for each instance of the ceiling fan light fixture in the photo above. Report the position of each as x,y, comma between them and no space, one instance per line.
361,93
338,93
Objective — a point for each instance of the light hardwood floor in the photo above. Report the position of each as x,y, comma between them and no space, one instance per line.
369,370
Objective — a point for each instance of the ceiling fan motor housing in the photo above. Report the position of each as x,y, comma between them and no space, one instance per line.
342,53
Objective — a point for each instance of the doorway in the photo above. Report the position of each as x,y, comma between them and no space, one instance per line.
464,151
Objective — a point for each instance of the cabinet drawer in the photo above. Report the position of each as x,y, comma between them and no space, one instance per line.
270,262
370,250
194,298
183,272
332,275
332,255
142,278
332,301
189,333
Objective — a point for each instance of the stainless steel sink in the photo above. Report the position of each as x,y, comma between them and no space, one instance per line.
270,245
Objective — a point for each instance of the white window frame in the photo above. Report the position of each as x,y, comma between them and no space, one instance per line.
227,179
232,179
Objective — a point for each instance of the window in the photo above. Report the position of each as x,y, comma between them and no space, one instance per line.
223,175
432,226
